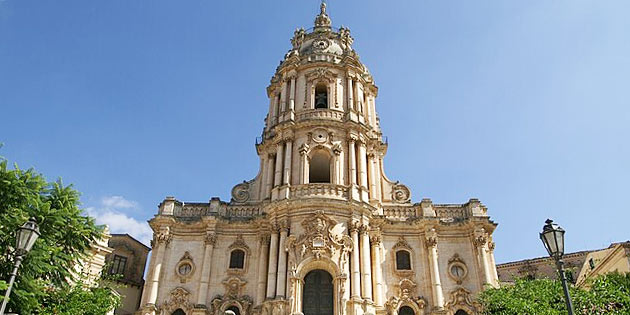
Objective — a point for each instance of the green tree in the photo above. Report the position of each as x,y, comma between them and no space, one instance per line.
66,234
608,294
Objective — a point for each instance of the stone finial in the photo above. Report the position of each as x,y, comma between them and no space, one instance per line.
322,21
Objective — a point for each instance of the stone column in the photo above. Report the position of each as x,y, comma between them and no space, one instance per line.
372,177
493,264
379,175
363,171
438,295
352,159
355,280
288,152
269,177
283,97
282,263
292,95
337,179
377,272
270,113
304,149
263,258
366,266
161,239
277,181
373,110
273,265
206,266
349,88
481,242
362,165
359,97
368,109
274,110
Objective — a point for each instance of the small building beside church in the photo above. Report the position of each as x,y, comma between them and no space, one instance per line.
320,229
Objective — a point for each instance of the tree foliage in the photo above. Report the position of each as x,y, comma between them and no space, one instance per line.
66,234
608,294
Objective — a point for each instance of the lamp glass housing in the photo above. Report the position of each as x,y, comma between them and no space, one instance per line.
27,234
552,237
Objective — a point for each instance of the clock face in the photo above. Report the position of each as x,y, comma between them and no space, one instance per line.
320,135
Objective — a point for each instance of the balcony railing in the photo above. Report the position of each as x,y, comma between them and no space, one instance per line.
320,114
319,190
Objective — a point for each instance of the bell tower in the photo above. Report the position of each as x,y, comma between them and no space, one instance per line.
322,131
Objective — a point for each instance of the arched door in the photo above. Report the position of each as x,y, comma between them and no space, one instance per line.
317,298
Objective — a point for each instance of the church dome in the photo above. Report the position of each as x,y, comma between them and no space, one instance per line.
321,43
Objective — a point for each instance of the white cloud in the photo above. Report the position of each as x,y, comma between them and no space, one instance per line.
111,211
118,202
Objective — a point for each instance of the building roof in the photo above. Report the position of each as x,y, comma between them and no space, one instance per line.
131,237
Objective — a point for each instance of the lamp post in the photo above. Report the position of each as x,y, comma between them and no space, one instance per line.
26,235
552,237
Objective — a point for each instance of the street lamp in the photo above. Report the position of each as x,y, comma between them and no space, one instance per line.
26,235
552,237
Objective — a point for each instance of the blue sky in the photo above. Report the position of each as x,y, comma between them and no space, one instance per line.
522,104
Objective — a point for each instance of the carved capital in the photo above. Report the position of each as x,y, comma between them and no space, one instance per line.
337,149
480,237
265,239
353,227
283,226
275,228
376,240
211,239
163,237
491,246
431,238
364,229
304,149
480,240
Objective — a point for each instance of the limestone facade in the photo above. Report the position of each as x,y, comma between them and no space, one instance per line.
320,229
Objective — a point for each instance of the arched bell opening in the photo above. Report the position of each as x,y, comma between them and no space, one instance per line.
179,311
321,96
461,312
319,167
318,293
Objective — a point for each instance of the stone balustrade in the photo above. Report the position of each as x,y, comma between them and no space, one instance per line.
399,213
191,210
320,114
319,190
198,210
450,212
242,211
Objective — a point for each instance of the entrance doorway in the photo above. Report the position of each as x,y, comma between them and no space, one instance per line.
317,298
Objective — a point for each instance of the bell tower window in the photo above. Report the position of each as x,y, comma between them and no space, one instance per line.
319,168
321,96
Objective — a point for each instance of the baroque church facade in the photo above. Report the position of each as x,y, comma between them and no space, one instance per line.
320,229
